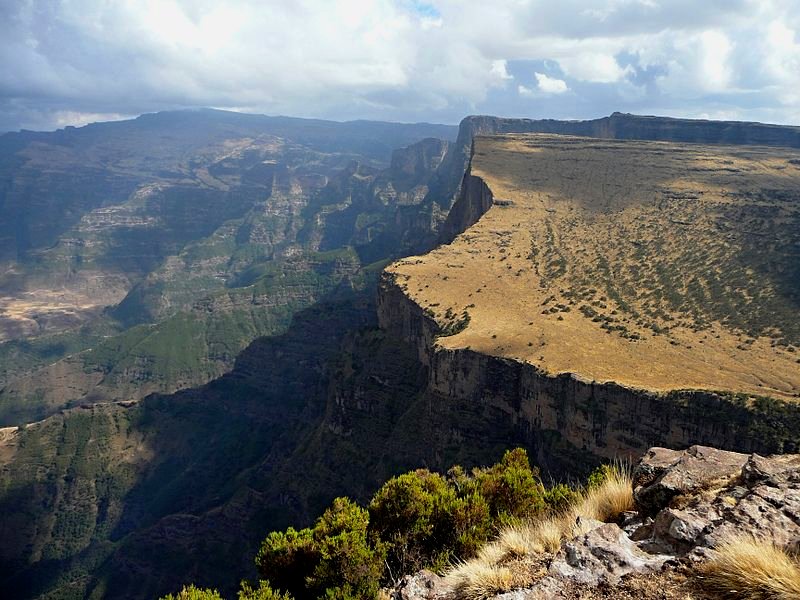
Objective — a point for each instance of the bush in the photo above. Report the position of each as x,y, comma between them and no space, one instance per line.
190,592
512,488
425,523
263,592
287,558
335,559
560,497
599,476
246,592
428,521
414,521
348,560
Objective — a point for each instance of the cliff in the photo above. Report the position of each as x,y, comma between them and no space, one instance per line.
470,307
602,419
444,188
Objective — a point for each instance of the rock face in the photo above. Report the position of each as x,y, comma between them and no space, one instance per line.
688,502
600,419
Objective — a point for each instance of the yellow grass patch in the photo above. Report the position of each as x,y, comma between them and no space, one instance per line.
747,568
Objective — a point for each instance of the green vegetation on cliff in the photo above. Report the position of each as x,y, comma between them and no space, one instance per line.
417,520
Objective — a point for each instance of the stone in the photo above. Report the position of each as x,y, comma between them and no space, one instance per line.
653,465
774,469
661,475
424,585
685,526
604,554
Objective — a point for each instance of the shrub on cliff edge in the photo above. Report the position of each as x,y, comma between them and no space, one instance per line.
335,559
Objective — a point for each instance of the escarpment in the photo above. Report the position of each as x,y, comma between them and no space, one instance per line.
554,303
444,188
601,419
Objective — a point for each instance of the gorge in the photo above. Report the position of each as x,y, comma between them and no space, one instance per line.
317,373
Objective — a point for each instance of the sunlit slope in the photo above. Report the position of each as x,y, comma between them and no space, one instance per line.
651,264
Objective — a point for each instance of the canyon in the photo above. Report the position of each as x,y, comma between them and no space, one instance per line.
314,371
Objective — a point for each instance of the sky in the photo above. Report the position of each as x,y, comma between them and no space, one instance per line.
71,62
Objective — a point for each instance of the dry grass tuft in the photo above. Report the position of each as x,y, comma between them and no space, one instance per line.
514,559
750,569
478,581
610,499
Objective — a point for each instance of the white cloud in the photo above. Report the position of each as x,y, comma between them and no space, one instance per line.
393,59
594,67
551,85
76,119
715,52
500,70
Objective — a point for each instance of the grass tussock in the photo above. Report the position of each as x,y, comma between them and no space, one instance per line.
515,558
747,568
477,580
607,501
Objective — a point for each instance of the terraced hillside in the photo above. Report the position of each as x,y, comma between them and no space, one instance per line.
650,264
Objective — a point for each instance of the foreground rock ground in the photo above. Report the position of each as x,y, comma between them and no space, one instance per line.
688,502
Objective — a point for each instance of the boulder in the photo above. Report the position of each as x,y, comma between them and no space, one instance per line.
604,554
424,585
772,470
663,474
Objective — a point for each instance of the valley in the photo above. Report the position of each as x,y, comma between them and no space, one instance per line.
234,223
305,312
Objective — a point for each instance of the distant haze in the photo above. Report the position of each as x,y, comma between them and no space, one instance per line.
70,62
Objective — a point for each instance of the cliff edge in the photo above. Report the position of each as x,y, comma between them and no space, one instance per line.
612,289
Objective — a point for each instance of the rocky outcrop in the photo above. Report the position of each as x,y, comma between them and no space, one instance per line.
687,504
703,496
474,200
413,165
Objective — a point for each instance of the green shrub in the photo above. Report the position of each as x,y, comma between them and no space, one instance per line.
427,520
263,592
190,592
599,475
471,525
348,560
560,497
512,488
335,559
414,521
287,558
425,523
